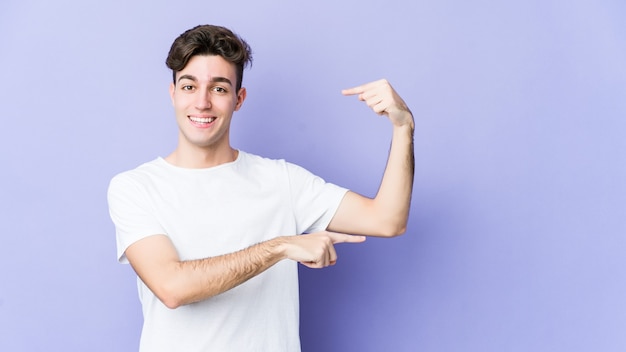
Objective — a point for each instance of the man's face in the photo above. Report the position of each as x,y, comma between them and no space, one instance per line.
204,100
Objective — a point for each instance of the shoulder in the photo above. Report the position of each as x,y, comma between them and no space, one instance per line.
142,174
257,162
275,171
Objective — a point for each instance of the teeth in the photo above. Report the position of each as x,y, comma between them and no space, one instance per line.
202,119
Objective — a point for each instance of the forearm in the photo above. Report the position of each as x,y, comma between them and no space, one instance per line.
386,214
177,282
222,273
393,198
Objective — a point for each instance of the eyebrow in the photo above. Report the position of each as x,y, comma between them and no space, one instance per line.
213,79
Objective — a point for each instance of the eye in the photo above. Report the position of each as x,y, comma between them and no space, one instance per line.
186,87
220,89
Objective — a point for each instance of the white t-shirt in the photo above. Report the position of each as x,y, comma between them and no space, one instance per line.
214,211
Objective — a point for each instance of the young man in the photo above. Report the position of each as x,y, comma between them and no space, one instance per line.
215,234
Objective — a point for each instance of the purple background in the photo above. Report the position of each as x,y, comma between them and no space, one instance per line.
517,234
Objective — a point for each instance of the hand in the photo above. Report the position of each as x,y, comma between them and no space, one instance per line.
317,250
383,99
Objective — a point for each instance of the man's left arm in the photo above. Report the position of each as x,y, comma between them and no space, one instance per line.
385,215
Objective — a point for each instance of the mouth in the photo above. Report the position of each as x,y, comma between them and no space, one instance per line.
201,121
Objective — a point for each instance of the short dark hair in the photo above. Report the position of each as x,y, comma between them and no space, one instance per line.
209,40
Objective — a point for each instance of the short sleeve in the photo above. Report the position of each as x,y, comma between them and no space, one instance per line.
315,201
132,213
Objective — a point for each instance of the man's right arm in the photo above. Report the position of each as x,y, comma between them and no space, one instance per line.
176,282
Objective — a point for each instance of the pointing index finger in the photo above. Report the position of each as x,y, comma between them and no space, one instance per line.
345,238
362,88
353,91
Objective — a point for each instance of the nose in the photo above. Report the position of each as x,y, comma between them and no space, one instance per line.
203,100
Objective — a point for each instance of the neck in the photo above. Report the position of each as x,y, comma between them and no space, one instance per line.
200,158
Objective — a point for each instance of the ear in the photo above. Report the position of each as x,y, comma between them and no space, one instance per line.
241,96
172,89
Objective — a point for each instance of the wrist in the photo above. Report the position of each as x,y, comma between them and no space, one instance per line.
403,120
278,247
406,128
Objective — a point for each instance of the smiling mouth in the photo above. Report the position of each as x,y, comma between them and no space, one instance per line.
202,120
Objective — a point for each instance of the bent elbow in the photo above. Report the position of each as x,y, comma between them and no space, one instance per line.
169,297
395,233
393,230
171,303
388,223
400,231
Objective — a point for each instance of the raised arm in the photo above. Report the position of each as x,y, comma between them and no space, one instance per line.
177,282
386,214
